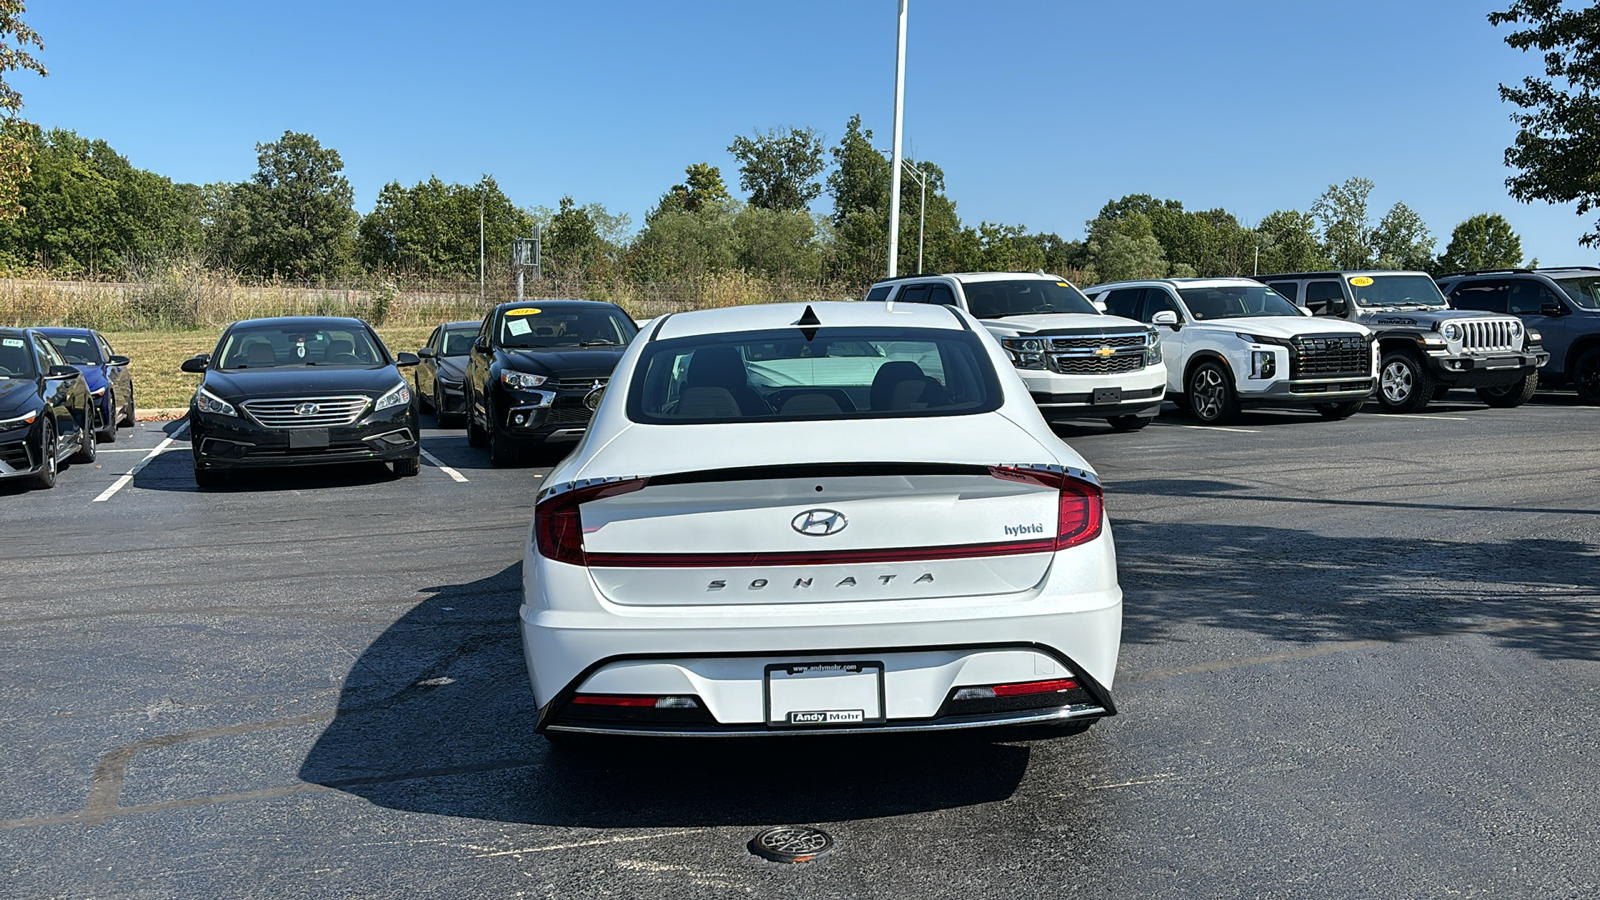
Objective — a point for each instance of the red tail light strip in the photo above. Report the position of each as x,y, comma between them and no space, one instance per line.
613,700
1034,687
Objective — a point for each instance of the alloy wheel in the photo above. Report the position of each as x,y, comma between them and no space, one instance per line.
1206,393
1397,382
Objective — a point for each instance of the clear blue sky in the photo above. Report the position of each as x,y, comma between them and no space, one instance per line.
1039,110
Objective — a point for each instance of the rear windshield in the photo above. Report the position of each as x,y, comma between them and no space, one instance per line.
841,373
1583,291
1396,291
1235,302
269,346
998,299
532,327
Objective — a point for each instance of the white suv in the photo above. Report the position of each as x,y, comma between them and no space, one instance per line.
1077,362
1235,341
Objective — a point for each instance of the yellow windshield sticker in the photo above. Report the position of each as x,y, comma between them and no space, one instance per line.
1062,284
1361,281
525,311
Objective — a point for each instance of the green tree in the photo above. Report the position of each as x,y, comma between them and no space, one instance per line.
15,147
1558,138
780,169
1125,247
573,246
1289,243
680,245
1402,241
1347,233
432,228
777,243
859,186
1484,241
702,185
295,218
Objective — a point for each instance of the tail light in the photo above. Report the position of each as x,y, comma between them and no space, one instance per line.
1080,505
558,522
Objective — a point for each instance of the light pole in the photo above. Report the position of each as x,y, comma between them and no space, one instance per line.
894,178
922,207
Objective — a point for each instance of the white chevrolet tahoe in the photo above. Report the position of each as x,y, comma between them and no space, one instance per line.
1234,341
1077,362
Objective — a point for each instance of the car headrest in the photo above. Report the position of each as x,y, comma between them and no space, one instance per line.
717,367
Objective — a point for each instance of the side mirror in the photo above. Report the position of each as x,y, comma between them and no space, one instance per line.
195,364
62,373
1165,317
406,359
480,347
1553,310
426,353
119,361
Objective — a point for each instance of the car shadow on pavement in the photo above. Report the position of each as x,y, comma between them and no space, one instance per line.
1534,594
436,716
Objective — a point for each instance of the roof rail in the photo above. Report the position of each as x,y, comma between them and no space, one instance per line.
1515,271
906,277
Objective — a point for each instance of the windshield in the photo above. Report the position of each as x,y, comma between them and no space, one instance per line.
1583,291
1396,291
998,299
268,346
15,360
841,373
530,327
1235,301
79,349
458,342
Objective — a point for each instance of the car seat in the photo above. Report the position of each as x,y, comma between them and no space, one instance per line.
902,385
259,353
721,367
340,351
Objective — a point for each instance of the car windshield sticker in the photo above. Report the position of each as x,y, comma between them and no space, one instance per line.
13,342
525,311
517,326
1361,281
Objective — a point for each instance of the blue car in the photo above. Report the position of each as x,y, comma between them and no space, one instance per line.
107,375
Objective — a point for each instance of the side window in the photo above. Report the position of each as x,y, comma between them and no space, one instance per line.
486,330
879,293
105,348
1124,303
1528,297
941,294
1289,289
1485,296
48,355
433,339
1157,300
913,293
1324,298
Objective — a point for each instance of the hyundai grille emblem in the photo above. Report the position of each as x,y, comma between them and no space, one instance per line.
307,409
819,522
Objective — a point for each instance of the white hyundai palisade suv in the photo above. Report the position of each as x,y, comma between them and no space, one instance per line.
1234,341
1076,362
836,517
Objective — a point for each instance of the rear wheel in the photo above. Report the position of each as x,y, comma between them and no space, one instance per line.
1514,394
406,468
45,478
108,434
1586,376
1129,423
1211,397
1404,383
1340,410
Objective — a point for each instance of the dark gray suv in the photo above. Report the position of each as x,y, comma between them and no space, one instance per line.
1562,304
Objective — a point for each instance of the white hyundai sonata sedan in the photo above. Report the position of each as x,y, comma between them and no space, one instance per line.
835,517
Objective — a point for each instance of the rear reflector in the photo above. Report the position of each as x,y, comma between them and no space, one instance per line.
1034,687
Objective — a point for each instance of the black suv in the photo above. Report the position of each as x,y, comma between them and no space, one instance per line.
537,370
1562,304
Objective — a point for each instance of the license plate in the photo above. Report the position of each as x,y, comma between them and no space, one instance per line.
1107,395
825,694
308,439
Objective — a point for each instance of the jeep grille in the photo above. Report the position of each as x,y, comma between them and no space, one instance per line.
1487,336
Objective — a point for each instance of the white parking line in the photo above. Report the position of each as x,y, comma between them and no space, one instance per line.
444,468
1217,428
122,482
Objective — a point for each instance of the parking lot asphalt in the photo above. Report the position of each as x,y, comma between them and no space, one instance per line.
1360,659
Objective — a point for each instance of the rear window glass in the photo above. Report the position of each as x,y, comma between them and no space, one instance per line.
841,373
1583,291
881,292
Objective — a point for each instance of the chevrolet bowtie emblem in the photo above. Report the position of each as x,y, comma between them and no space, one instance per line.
1104,352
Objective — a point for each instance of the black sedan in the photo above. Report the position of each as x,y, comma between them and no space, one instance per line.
108,376
45,413
537,370
443,370
301,391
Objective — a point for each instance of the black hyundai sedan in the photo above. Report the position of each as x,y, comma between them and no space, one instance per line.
45,413
537,370
443,369
301,391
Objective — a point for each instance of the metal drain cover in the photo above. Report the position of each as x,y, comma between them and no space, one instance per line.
792,844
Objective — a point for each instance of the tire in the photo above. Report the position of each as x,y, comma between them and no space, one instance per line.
206,479
1130,423
1512,395
132,420
86,441
407,468
1336,411
1405,385
476,437
1210,394
1585,376
503,453
45,478
441,418
108,435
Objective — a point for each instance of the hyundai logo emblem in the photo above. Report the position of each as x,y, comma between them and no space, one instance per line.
307,409
819,522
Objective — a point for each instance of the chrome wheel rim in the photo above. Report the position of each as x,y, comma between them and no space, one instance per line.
1207,393
1396,382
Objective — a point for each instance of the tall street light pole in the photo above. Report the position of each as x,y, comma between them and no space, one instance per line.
894,179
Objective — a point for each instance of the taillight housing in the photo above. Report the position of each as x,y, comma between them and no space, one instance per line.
558,519
1080,505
